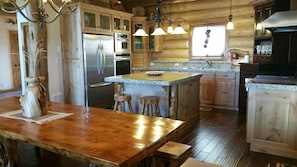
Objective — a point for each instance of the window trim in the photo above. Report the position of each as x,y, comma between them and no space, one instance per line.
197,58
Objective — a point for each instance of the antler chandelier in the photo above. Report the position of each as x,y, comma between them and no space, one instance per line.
12,6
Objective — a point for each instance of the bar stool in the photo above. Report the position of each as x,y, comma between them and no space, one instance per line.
120,100
148,102
172,154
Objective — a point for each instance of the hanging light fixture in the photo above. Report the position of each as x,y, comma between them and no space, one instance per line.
230,25
40,16
140,32
178,29
158,19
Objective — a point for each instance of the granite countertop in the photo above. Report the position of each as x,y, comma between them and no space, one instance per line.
185,69
279,84
166,79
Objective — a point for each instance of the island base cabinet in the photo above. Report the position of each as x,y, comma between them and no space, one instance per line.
188,99
272,122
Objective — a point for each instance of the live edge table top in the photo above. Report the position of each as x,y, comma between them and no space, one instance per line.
94,135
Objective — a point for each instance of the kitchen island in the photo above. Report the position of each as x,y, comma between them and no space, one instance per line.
178,91
272,116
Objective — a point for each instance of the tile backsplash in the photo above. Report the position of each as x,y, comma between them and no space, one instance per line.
193,65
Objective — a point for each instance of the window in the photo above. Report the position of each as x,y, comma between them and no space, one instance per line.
208,42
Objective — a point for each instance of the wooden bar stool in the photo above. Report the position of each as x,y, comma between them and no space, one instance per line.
120,100
192,162
148,102
172,154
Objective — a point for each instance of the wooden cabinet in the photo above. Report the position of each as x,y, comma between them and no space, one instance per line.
246,71
220,90
284,48
263,37
224,89
87,19
272,121
155,41
93,21
140,48
188,99
207,88
121,23
97,19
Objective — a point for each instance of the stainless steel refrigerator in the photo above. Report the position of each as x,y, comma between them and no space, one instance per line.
98,63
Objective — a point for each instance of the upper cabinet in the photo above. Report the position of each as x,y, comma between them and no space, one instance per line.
121,24
97,19
139,43
263,37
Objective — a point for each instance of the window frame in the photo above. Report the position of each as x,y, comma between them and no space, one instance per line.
213,58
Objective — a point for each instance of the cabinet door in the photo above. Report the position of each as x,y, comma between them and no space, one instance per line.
207,88
188,99
117,26
225,89
140,59
126,24
155,41
272,121
89,21
139,43
104,22
284,50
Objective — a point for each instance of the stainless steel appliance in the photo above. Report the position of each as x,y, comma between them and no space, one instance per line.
122,64
99,63
122,43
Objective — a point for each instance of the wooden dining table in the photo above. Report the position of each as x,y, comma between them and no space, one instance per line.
97,136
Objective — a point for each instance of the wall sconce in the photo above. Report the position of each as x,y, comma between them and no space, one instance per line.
40,16
230,25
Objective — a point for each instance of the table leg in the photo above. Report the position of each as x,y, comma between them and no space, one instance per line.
173,102
8,152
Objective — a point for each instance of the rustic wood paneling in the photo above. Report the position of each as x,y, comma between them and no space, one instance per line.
205,12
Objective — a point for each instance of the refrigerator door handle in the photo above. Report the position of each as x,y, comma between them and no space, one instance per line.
98,62
103,56
101,84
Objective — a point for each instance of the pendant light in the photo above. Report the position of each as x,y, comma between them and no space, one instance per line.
230,25
140,32
178,29
158,19
158,30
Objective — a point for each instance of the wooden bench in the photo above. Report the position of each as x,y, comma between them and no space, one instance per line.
172,154
192,162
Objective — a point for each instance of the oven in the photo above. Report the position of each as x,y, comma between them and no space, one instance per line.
122,65
122,43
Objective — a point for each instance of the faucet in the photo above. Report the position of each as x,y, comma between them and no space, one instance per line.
209,63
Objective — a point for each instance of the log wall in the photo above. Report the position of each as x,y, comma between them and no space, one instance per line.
207,12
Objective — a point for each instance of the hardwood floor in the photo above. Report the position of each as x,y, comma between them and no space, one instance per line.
219,137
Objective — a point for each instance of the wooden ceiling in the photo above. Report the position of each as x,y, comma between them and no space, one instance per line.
148,3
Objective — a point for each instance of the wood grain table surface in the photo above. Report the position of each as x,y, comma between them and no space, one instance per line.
93,135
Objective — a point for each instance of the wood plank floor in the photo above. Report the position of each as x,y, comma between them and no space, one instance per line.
219,137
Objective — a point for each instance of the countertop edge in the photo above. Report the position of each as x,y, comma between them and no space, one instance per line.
119,79
250,84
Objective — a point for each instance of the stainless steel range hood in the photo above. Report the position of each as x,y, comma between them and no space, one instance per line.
284,21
